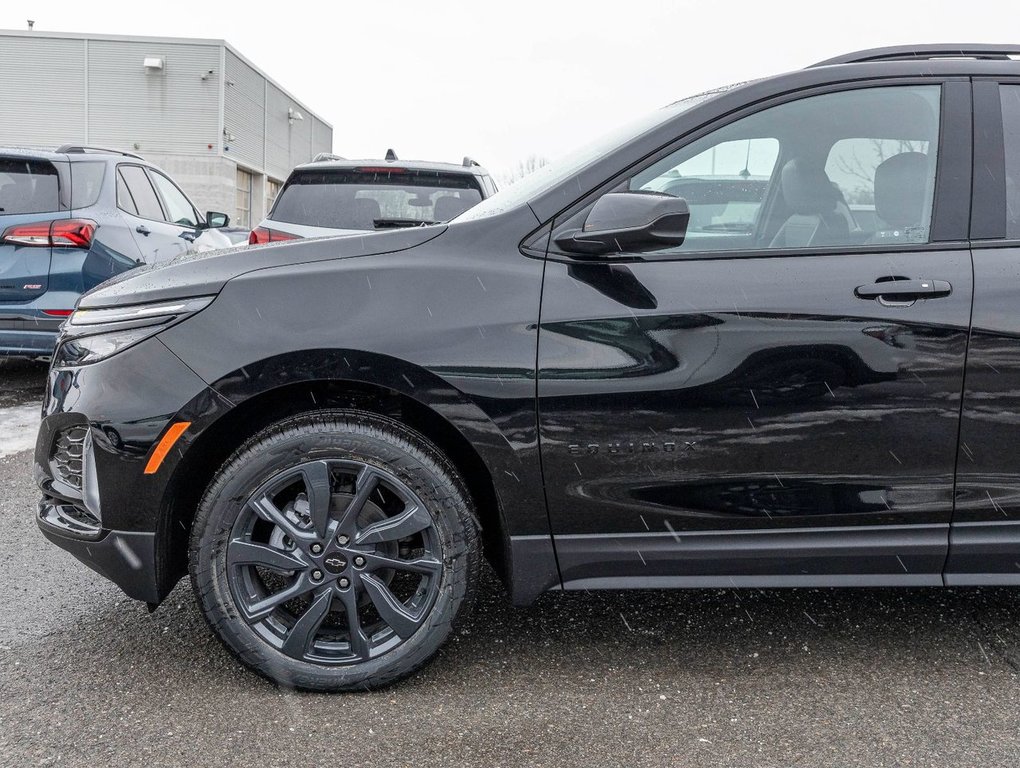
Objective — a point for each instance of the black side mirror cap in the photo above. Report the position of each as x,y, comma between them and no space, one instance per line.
215,220
629,222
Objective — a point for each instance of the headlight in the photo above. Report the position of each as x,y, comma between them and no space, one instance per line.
91,335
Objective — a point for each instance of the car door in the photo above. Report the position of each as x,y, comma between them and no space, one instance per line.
157,238
776,401
985,539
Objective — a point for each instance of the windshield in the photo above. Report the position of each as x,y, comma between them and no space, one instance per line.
374,198
569,165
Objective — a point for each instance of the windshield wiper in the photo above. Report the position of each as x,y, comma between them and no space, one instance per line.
397,223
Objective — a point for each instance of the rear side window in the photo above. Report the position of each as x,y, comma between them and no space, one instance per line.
124,200
28,186
86,183
1011,137
359,199
143,196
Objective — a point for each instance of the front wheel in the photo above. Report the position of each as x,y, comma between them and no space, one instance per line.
335,551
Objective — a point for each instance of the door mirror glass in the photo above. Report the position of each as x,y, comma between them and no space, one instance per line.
215,219
629,222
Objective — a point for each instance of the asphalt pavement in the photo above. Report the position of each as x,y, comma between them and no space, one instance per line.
922,677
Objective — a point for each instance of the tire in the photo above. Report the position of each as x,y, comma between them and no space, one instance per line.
313,619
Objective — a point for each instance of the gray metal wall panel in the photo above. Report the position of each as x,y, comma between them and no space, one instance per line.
244,110
322,137
42,91
301,140
169,111
277,133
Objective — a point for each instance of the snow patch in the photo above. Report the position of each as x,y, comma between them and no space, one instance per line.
18,428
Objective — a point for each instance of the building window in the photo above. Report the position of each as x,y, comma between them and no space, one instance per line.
272,190
243,198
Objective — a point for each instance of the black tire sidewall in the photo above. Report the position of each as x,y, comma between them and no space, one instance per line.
335,435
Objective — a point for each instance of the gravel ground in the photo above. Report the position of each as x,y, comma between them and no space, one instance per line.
720,678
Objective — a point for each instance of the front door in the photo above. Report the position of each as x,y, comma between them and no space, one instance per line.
777,400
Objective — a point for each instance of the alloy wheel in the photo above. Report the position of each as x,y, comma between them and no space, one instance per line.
334,562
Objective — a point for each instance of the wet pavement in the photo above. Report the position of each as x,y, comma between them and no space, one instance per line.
763,678
923,677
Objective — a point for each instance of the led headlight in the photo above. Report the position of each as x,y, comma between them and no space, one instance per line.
91,335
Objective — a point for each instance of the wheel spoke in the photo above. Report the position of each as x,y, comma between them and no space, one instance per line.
262,608
366,484
242,552
303,632
359,642
426,565
409,522
267,510
390,610
319,485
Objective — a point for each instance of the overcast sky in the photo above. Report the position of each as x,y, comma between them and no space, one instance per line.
500,81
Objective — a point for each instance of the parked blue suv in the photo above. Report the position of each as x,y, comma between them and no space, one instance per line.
73,218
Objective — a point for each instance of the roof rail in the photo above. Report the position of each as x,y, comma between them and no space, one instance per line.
79,149
920,52
326,156
471,162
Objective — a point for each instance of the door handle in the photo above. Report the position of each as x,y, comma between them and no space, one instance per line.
904,290
142,230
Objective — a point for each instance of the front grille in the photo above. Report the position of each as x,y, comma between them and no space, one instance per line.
68,453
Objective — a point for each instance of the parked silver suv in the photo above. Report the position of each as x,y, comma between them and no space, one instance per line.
335,196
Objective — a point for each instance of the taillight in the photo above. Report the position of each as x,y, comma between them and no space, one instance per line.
75,233
58,312
261,235
27,234
64,233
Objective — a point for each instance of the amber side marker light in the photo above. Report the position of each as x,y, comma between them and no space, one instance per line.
164,445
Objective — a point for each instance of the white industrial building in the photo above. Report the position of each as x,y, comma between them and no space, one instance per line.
225,131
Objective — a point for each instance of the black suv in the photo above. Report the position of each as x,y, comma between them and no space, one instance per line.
74,217
816,385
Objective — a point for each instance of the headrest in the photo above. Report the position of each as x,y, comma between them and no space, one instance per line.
901,184
365,211
449,206
806,188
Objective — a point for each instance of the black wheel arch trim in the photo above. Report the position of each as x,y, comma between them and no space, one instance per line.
527,563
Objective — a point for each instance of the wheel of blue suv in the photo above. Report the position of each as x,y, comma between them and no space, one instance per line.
335,551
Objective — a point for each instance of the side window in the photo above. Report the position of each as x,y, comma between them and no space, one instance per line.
144,196
124,200
1011,138
179,210
86,183
840,169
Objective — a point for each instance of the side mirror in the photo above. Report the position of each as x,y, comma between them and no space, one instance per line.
215,219
629,222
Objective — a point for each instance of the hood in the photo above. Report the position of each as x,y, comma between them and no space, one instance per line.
204,274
